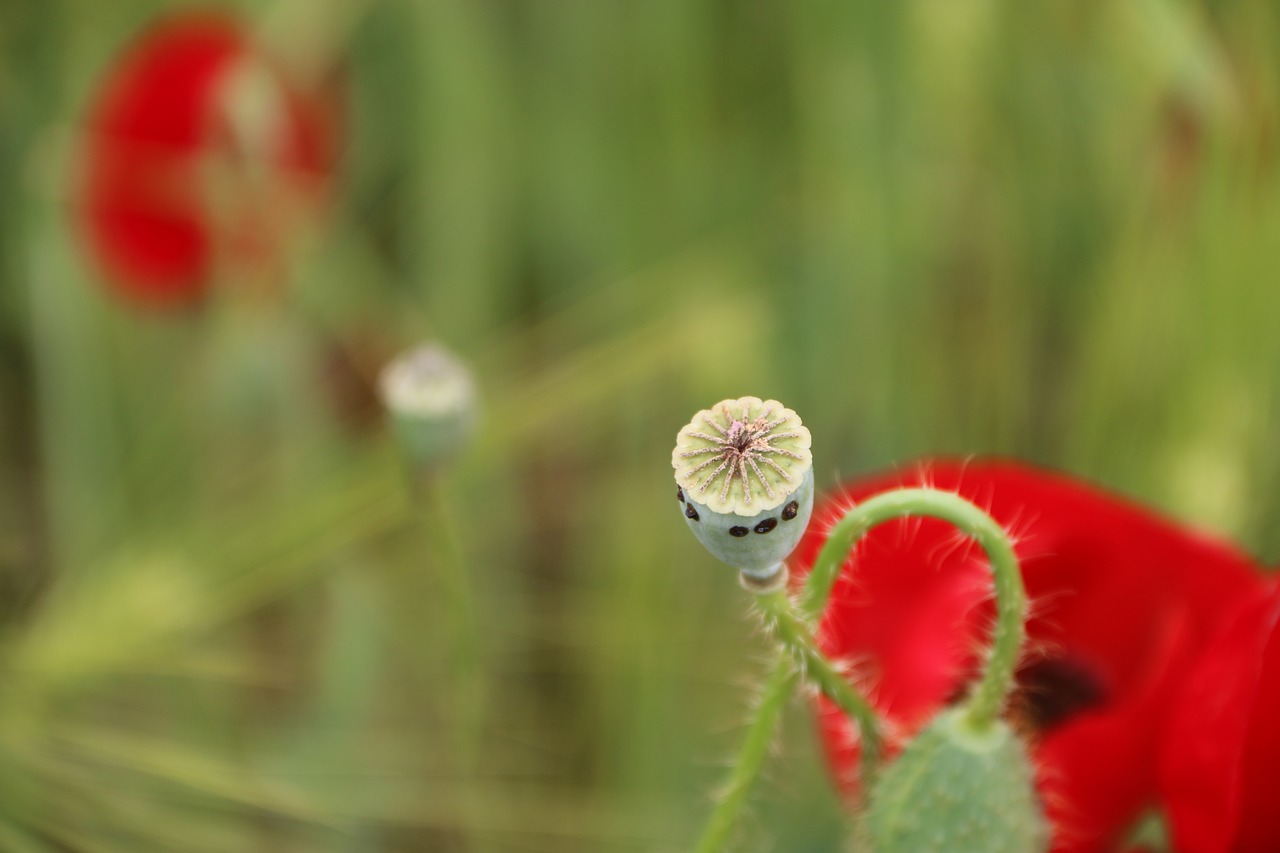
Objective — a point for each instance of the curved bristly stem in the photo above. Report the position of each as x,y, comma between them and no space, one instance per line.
796,637
997,679
733,795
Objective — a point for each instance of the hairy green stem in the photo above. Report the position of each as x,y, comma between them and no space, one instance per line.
733,794
796,637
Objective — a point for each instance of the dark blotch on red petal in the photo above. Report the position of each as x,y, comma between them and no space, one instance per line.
1052,691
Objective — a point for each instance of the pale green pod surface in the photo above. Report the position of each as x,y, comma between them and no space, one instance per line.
957,790
744,475
754,544
432,401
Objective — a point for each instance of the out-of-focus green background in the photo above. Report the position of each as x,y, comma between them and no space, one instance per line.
1046,230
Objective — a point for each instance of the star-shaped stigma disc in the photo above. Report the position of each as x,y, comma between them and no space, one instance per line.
742,456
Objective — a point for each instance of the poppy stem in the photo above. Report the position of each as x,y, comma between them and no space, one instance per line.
795,634
467,654
799,658
733,794
466,683
987,699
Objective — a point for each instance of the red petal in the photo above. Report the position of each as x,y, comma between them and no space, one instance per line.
1097,773
159,127
1218,772
1114,589
141,206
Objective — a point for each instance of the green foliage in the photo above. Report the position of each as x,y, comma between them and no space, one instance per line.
964,226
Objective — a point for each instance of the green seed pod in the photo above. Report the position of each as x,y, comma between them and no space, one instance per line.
744,475
432,401
957,789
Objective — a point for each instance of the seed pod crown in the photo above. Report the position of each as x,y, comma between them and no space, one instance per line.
432,400
744,475
742,456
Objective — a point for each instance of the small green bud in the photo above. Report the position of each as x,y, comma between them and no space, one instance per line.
432,401
744,475
957,789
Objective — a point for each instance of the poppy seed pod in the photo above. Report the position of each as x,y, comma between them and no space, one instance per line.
957,789
744,475
432,400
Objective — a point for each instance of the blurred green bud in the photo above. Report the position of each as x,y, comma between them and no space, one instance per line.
957,789
432,400
744,475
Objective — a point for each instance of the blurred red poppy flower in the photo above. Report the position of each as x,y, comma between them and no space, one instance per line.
195,145
1120,602
1223,741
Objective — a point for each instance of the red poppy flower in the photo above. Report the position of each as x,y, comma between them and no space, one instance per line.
1223,740
1120,601
192,139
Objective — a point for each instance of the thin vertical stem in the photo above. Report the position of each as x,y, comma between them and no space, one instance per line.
745,770
465,653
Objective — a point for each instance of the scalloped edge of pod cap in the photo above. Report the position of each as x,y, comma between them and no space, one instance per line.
744,476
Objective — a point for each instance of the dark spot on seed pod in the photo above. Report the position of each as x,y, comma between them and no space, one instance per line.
690,512
738,531
789,511
680,495
766,525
